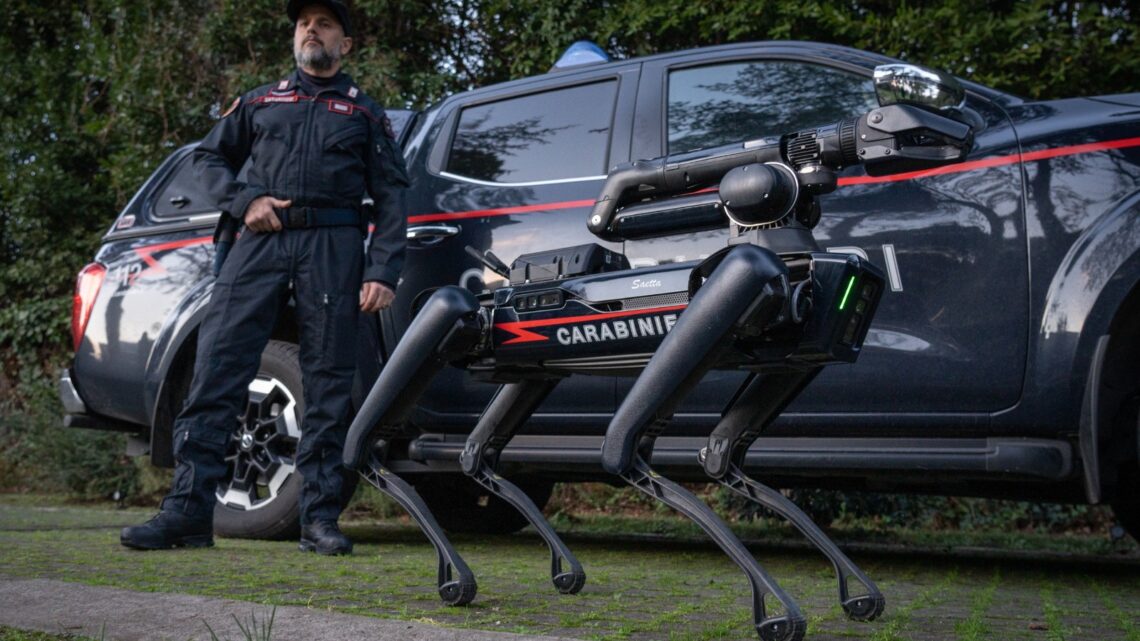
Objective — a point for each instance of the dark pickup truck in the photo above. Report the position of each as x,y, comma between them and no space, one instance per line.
1004,359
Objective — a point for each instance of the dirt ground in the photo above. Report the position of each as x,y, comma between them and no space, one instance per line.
639,587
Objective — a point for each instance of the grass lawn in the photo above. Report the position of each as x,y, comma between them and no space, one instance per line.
648,578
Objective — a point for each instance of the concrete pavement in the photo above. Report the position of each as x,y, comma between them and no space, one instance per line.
109,613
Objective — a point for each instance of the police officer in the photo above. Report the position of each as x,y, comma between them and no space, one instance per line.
316,145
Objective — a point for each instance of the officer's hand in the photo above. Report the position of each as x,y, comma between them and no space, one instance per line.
260,217
375,296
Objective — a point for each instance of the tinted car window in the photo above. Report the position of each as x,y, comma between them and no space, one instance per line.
720,104
182,194
547,136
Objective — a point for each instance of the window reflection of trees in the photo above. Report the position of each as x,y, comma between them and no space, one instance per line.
553,135
762,99
481,152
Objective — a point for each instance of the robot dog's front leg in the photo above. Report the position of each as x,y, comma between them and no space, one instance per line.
446,327
512,406
760,399
747,289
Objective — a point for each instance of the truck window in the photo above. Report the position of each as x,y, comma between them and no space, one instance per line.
552,135
725,103
181,195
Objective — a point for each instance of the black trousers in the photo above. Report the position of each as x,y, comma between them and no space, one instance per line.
324,266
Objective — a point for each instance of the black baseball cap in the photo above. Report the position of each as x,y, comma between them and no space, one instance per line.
293,9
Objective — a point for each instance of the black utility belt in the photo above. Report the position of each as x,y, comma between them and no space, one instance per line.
301,217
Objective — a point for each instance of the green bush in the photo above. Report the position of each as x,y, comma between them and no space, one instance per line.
862,510
38,454
872,509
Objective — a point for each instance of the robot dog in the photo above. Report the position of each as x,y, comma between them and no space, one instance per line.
770,303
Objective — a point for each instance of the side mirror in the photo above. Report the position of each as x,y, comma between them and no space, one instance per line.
914,85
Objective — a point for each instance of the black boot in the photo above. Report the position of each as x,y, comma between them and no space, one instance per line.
169,529
324,537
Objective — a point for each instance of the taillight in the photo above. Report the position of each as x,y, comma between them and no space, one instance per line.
87,286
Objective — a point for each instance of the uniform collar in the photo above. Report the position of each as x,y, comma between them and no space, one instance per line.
341,84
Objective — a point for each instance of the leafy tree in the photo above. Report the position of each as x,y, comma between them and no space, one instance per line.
1034,48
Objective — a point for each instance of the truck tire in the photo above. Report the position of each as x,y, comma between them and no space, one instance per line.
463,507
1126,499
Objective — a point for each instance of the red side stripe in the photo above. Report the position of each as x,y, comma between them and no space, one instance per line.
500,211
972,165
146,254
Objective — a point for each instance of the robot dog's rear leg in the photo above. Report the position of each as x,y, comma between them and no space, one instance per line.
747,289
759,401
512,406
456,582
446,327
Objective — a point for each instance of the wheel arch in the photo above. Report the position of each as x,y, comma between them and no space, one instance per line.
1089,286
1095,300
172,350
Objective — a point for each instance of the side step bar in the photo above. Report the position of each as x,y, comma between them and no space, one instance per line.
1020,458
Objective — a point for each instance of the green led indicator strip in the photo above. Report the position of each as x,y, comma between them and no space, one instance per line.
850,284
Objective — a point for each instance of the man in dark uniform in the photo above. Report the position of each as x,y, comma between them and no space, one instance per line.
317,144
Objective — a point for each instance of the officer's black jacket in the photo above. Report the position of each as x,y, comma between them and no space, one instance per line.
323,150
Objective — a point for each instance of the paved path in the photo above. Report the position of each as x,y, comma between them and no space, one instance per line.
124,615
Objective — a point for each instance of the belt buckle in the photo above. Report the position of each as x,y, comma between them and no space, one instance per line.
296,217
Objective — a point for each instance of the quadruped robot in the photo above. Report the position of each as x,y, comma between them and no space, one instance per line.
770,303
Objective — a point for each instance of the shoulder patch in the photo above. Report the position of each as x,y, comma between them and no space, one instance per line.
232,107
339,107
353,92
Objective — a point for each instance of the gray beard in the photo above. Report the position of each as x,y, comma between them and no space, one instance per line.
317,59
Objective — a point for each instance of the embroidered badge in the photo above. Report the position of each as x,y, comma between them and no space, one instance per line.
232,107
353,92
283,85
339,107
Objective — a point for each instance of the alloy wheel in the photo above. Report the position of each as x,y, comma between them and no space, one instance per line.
261,453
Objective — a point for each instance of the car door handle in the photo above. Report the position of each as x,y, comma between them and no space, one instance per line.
432,233
179,201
